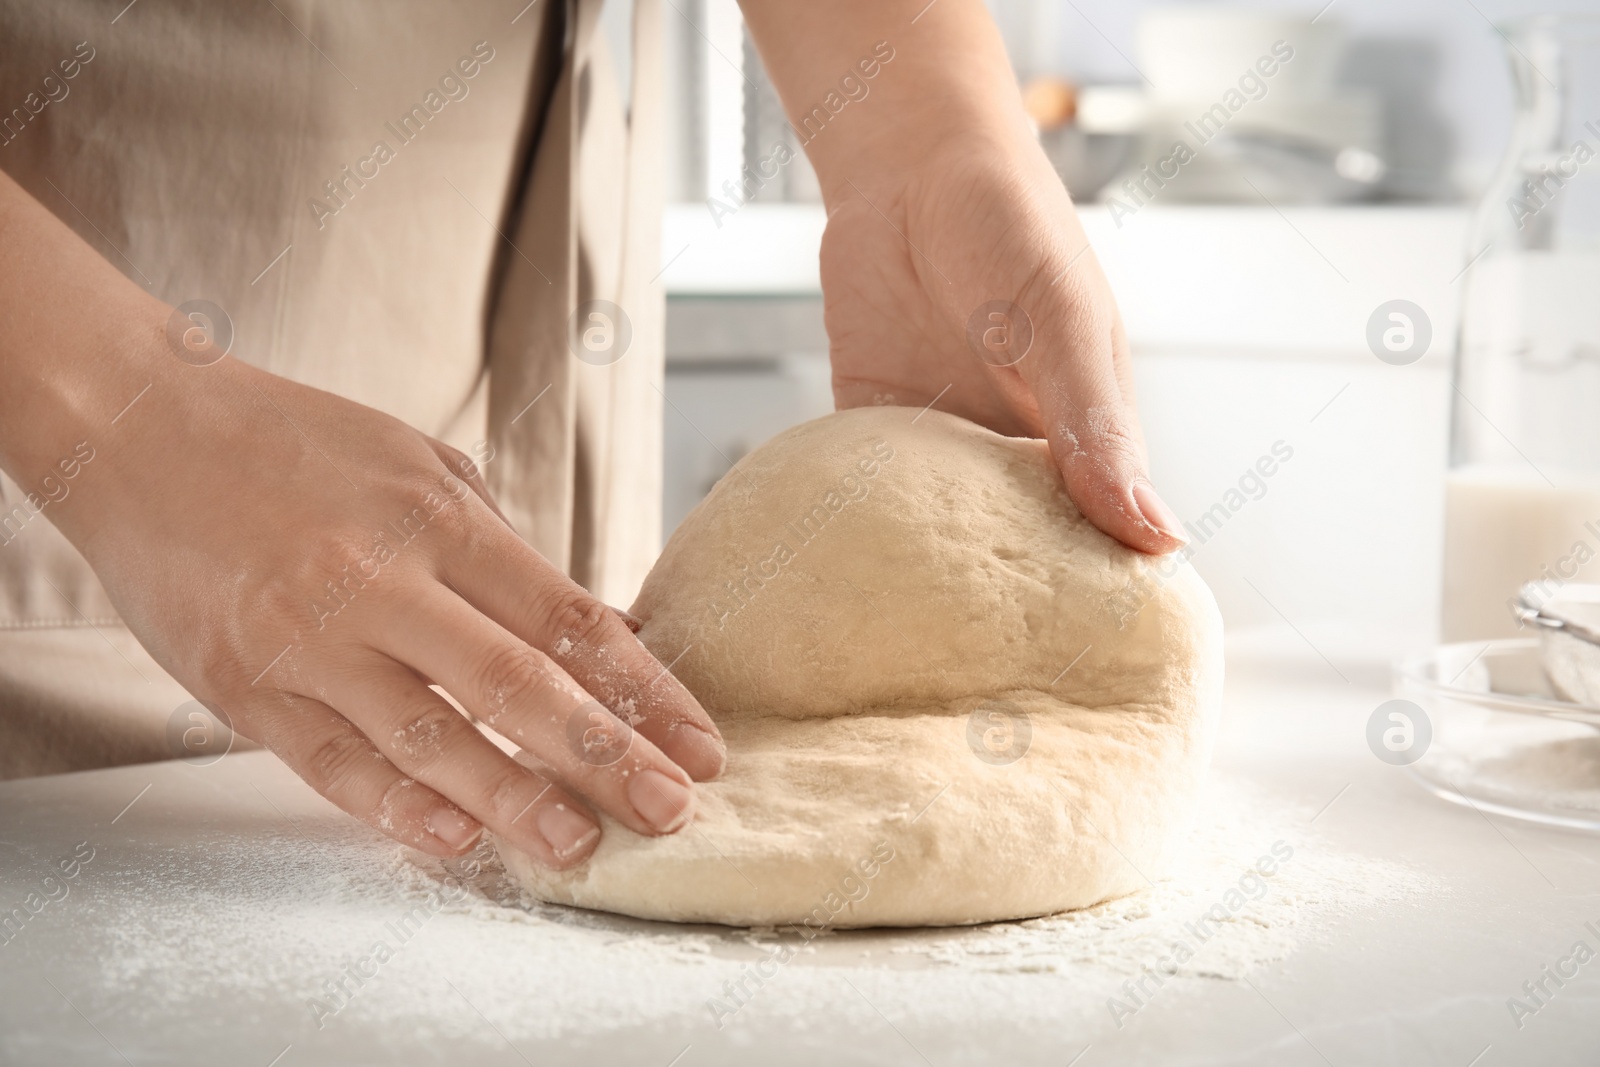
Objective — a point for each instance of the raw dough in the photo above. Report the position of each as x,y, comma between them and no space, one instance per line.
947,697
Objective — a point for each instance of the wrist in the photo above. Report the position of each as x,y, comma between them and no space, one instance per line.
876,91
71,421
930,138
64,387
75,336
921,130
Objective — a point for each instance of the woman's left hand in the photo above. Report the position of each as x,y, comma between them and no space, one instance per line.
968,283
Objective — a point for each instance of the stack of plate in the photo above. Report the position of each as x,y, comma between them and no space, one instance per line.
1291,135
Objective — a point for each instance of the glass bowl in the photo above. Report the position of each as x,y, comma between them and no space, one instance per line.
1502,741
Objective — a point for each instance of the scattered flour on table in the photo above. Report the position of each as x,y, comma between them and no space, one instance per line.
281,923
1218,914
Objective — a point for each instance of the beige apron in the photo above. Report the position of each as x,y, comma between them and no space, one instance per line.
228,151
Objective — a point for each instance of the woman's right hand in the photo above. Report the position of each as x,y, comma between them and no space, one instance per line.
308,566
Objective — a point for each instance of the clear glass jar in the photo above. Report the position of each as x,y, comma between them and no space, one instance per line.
1523,492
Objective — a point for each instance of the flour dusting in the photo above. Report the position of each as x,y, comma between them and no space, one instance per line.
1217,915
329,927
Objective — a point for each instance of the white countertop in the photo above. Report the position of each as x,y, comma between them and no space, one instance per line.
221,899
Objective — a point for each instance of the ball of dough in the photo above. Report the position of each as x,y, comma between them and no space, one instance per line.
947,697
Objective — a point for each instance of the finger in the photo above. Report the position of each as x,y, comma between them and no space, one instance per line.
629,620
339,762
1094,438
464,467
419,732
1122,365
593,645
525,697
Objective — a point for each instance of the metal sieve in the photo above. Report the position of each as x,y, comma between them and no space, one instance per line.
1569,637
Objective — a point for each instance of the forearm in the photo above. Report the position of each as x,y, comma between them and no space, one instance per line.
77,342
948,81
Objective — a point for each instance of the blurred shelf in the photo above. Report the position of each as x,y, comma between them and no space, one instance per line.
759,250
721,330
1295,282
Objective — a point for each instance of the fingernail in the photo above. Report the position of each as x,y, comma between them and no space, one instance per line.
453,828
696,751
659,800
628,619
1156,512
565,831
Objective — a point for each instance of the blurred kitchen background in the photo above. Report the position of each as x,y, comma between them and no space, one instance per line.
1248,285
